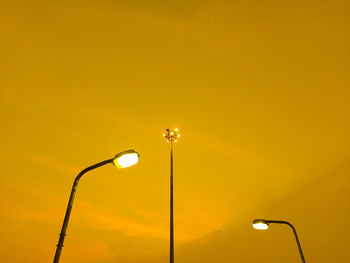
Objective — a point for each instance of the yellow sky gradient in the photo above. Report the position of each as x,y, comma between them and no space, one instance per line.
259,91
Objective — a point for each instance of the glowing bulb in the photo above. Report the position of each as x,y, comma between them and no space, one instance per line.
171,133
126,159
176,129
260,226
178,136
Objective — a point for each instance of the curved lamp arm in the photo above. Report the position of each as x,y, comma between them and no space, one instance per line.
295,234
70,205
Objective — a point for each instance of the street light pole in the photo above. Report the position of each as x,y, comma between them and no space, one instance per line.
70,205
262,224
295,235
171,136
121,160
171,205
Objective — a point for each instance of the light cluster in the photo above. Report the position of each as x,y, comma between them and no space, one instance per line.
171,135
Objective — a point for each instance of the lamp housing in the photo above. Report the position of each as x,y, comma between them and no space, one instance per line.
126,159
260,224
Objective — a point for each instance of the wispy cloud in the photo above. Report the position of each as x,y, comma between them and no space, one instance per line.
105,219
50,162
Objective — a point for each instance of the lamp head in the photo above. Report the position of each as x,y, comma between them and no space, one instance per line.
171,135
126,158
260,224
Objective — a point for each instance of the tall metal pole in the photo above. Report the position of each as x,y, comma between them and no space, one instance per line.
70,205
171,136
171,205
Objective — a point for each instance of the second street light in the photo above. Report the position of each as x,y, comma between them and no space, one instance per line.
171,136
262,224
121,160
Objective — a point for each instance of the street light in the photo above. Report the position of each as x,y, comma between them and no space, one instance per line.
171,136
262,224
121,160
126,159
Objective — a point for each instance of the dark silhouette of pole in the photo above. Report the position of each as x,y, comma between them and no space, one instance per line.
171,136
171,205
294,231
70,205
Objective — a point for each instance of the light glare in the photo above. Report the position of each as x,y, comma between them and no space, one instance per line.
172,135
126,160
260,226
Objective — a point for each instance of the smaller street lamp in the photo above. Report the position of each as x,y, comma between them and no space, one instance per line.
262,224
121,160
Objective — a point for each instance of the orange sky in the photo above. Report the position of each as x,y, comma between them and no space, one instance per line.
259,91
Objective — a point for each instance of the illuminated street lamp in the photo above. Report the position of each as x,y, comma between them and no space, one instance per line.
121,160
262,224
171,136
